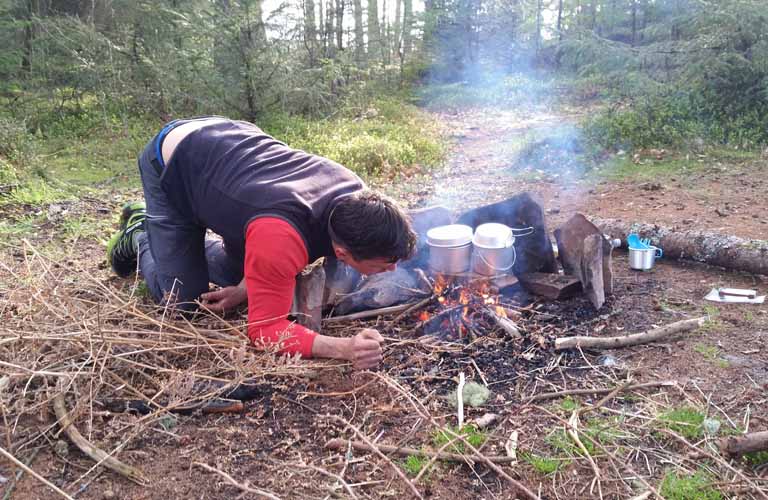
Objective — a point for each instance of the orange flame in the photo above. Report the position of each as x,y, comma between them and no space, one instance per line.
423,316
464,296
465,312
440,284
501,311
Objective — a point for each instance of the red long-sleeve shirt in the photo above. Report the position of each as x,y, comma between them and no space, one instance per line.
274,254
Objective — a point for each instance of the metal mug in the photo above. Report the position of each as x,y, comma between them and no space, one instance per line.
642,259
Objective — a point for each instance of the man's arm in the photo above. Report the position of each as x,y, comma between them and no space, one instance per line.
274,255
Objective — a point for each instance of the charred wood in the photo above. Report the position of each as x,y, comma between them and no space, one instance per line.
551,286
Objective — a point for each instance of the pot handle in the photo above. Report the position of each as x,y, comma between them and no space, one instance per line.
523,231
514,258
659,252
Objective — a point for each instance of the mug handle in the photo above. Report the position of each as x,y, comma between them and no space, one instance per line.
659,253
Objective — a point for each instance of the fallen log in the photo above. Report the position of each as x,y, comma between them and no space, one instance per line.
403,451
734,446
711,248
629,340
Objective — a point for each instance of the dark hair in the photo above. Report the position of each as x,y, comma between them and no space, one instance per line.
372,226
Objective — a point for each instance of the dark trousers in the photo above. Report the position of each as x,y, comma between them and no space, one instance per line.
176,257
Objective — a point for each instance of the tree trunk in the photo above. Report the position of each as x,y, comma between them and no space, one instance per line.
374,30
397,28
537,43
330,10
407,26
26,56
340,24
560,20
359,35
711,248
310,30
634,22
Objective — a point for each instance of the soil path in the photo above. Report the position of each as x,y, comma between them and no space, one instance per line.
489,161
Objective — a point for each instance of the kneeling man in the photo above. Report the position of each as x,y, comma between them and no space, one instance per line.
276,209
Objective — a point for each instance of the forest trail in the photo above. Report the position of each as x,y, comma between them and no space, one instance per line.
497,153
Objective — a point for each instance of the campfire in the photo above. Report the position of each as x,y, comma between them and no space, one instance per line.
465,310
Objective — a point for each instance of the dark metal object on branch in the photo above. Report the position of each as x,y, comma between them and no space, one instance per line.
534,252
708,247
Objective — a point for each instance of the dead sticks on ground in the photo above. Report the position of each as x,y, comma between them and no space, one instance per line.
34,474
244,487
368,314
100,456
734,446
629,340
342,444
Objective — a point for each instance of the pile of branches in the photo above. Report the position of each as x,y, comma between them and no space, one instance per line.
72,344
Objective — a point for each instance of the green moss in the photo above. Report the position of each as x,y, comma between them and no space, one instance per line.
414,463
681,487
756,458
543,465
471,434
684,421
569,404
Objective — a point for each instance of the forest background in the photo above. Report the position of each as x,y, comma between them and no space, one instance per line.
85,83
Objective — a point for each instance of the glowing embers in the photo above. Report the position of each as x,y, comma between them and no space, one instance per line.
466,311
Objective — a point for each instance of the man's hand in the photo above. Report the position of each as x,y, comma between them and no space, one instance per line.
364,349
225,298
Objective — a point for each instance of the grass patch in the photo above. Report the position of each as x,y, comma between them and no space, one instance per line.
388,136
694,487
414,464
543,465
685,421
756,458
471,434
569,404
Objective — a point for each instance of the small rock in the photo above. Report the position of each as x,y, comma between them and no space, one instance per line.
108,495
554,210
721,213
61,448
652,186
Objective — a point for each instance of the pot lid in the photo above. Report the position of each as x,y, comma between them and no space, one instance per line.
452,235
493,235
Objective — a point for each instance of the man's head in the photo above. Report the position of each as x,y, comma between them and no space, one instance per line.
370,232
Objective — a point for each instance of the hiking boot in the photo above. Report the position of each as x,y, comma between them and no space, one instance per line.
122,248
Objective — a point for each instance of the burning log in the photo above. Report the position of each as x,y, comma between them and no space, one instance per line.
734,446
629,340
534,252
711,248
506,324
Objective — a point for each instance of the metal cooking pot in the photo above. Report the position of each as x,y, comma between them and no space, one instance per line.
643,259
450,248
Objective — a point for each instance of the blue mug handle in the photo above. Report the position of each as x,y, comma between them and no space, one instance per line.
659,253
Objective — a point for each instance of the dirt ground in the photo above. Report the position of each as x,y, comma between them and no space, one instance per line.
277,444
